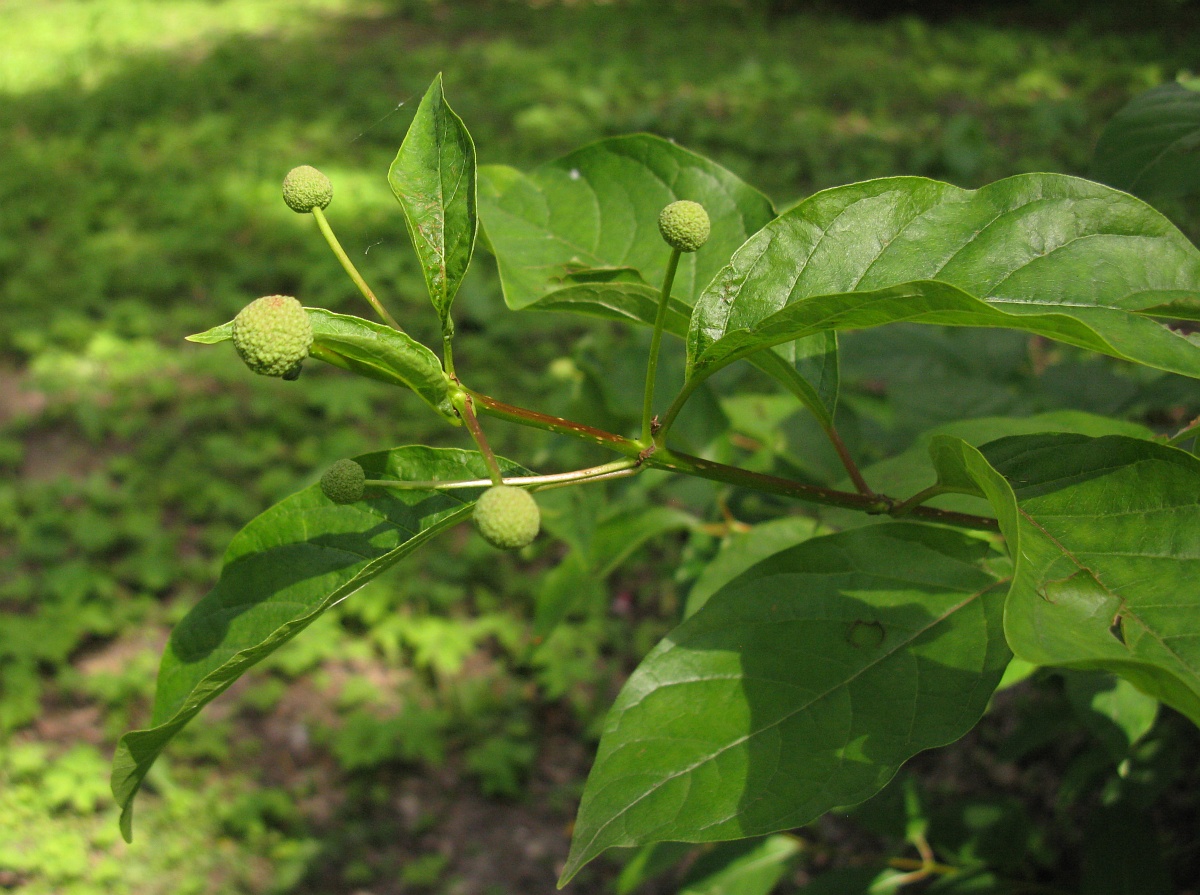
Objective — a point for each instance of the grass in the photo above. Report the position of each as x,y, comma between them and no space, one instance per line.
143,146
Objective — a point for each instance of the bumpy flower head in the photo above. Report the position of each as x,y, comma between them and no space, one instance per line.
684,225
273,335
306,188
343,482
507,517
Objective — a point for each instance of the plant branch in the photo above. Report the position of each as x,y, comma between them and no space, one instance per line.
660,318
920,497
843,453
462,403
350,269
675,461
1188,431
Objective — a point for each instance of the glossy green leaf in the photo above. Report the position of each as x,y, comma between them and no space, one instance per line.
433,176
1152,146
596,211
1105,534
371,350
581,234
1045,253
281,572
801,685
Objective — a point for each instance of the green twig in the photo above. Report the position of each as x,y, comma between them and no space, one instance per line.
578,476
660,318
350,269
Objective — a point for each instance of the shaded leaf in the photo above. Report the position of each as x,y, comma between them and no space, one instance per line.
371,350
1152,145
281,572
433,176
1105,534
1114,710
797,688
743,868
1121,854
1045,253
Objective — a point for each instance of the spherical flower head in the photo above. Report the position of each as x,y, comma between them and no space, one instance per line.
684,225
344,482
273,335
507,517
306,188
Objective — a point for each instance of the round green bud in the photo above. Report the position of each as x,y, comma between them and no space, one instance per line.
273,335
306,188
344,482
684,225
507,517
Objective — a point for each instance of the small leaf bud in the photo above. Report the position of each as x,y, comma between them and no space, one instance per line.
344,482
507,517
306,188
273,335
684,225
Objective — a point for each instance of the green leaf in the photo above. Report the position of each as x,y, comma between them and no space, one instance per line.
801,685
433,176
596,210
1122,855
581,234
1114,710
1105,535
743,868
745,548
371,350
1152,146
281,572
1044,253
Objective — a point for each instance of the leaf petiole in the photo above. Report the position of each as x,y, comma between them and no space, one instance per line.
350,269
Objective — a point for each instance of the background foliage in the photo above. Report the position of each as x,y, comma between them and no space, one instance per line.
427,736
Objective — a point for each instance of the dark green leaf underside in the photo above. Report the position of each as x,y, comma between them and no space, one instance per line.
281,572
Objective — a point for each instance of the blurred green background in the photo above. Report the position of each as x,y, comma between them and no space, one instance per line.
422,738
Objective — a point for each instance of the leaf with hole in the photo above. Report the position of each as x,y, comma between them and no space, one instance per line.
801,685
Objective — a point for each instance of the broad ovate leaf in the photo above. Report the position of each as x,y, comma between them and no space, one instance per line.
581,234
281,572
1152,146
1105,536
433,176
801,685
594,213
371,350
1045,253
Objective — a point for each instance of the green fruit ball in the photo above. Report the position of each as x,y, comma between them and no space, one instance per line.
684,225
306,188
507,517
273,335
344,482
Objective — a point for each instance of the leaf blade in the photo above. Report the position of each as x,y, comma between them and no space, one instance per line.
1152,145
1044,253
433,177
305,554
862,609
